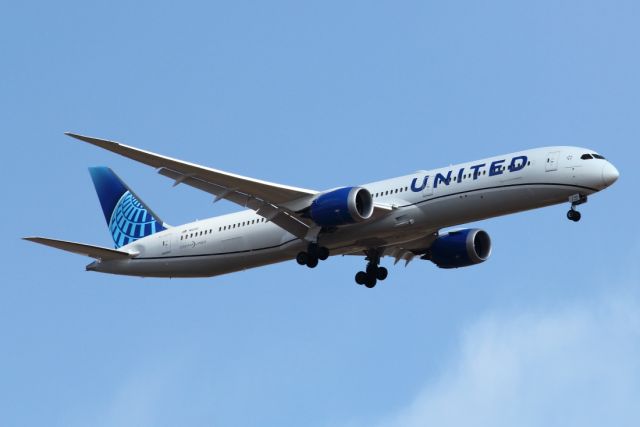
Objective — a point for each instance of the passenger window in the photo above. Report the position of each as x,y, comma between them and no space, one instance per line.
586,157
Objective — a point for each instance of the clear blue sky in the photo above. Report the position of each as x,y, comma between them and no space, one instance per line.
318,95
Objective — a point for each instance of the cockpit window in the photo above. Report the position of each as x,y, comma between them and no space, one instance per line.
598,156
586,157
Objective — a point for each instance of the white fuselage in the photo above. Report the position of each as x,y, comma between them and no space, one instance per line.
420,207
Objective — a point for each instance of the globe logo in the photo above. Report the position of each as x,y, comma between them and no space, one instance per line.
130,221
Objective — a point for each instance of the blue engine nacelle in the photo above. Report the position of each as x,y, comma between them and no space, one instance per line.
342,206
460,248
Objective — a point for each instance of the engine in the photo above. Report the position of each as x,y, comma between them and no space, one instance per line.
460,248
342,206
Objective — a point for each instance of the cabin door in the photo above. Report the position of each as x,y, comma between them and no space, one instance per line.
552,161
165,243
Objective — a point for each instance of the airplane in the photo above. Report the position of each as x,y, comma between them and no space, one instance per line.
401,218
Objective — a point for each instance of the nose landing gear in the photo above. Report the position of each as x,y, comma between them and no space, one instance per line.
373,272
313,255
574,215
576,199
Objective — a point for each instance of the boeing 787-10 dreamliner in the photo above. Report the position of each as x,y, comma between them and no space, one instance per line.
399,217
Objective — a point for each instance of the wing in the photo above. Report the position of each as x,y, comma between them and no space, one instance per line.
97,252
405,251
278,203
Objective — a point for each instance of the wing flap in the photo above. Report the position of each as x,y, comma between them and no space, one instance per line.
280,216
96,252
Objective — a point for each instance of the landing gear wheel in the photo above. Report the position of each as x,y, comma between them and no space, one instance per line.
323,253
312,262
373,272
576,200
302,258
371,282
574,215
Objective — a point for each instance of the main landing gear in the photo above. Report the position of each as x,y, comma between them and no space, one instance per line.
576,199
373,272
313,255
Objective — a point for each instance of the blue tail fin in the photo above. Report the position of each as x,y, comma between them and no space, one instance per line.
129,219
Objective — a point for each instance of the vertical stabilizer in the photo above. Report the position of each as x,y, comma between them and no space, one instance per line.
128,218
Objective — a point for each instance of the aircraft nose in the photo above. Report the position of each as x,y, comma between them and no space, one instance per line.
609,174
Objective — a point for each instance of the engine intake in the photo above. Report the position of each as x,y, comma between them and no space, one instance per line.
342,206
461,248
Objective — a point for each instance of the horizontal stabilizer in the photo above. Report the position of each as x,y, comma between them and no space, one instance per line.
97,252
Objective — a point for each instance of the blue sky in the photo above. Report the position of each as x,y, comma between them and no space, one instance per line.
318,95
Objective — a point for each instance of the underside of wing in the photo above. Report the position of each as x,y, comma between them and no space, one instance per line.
405,251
